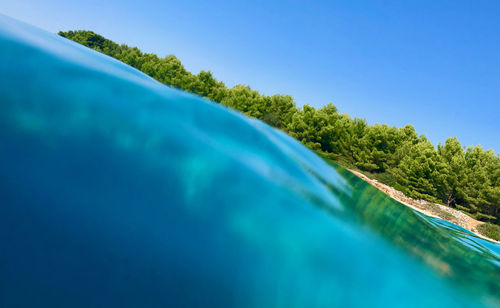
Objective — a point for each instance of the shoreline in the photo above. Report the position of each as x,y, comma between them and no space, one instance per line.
430,209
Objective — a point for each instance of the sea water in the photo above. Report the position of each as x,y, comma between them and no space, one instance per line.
118,191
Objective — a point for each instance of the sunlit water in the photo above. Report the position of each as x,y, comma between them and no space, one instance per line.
118,191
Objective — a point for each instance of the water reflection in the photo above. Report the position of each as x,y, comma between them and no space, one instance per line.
450,250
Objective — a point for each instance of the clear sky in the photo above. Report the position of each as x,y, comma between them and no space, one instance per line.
433,64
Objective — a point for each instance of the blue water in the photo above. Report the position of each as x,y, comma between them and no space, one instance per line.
117,191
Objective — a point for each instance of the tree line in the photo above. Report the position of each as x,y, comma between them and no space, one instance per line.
466,178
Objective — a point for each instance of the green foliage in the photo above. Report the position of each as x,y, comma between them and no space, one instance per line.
489,230
168,70
467,179
419,171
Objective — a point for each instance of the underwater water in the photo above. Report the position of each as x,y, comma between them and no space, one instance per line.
116,190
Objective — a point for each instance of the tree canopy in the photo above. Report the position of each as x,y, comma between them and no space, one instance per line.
466,178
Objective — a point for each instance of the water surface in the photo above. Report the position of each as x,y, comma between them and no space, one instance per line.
116,190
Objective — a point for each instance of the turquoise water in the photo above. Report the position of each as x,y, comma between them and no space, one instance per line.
118,191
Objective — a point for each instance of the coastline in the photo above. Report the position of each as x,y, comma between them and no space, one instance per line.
430,209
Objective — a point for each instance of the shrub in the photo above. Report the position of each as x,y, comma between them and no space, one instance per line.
489,230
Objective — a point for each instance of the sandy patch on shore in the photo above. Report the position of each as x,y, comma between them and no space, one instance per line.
430,209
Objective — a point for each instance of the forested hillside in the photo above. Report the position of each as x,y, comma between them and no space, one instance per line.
466,178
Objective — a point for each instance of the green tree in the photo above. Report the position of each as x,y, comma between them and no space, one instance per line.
419,171
451,184
466,179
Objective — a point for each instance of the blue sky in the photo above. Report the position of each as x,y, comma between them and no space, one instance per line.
432,64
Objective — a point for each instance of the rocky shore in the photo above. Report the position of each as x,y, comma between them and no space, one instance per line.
430,209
